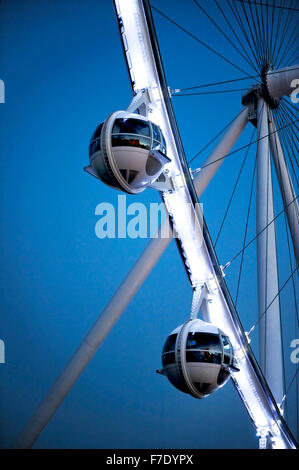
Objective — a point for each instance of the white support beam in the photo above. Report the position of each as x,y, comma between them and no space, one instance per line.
286,187
269,322
223,147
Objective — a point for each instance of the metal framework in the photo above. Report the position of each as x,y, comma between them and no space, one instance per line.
260,387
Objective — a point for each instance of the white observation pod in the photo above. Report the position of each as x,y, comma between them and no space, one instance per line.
197,358
127,152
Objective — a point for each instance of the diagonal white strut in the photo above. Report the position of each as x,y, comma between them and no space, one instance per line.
269,318
285,184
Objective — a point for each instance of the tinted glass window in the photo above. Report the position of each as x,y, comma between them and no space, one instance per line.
170,343
97,132
206,341
228,350
156,133
95,146
158,146
131,126
226,359
203,356
168,358
226,344
131,141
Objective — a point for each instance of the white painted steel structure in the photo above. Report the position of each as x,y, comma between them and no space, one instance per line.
142,64
146,73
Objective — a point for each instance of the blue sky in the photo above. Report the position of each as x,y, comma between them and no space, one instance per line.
64,72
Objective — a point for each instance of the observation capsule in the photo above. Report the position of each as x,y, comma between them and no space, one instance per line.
197,358
127,152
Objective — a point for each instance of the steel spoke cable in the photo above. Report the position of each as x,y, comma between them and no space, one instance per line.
291,138
290,55
287,390
245,233
277,42
248,213
236,36
224,34
241,148
272,5
269,31
273,10
263,33
213,139
288,103
285,144
209,92
277,29
284,116
233,191
284,37
287,149
260,232
295,376
198,40
253,36
290,384
284,32
288,106
267,38
287,115
256,20
273,300
205,85
288,49
291,269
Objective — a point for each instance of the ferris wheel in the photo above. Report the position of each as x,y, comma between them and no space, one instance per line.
140,147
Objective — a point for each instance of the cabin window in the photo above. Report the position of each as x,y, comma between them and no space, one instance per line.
203,356
170,343
131,126
204,341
